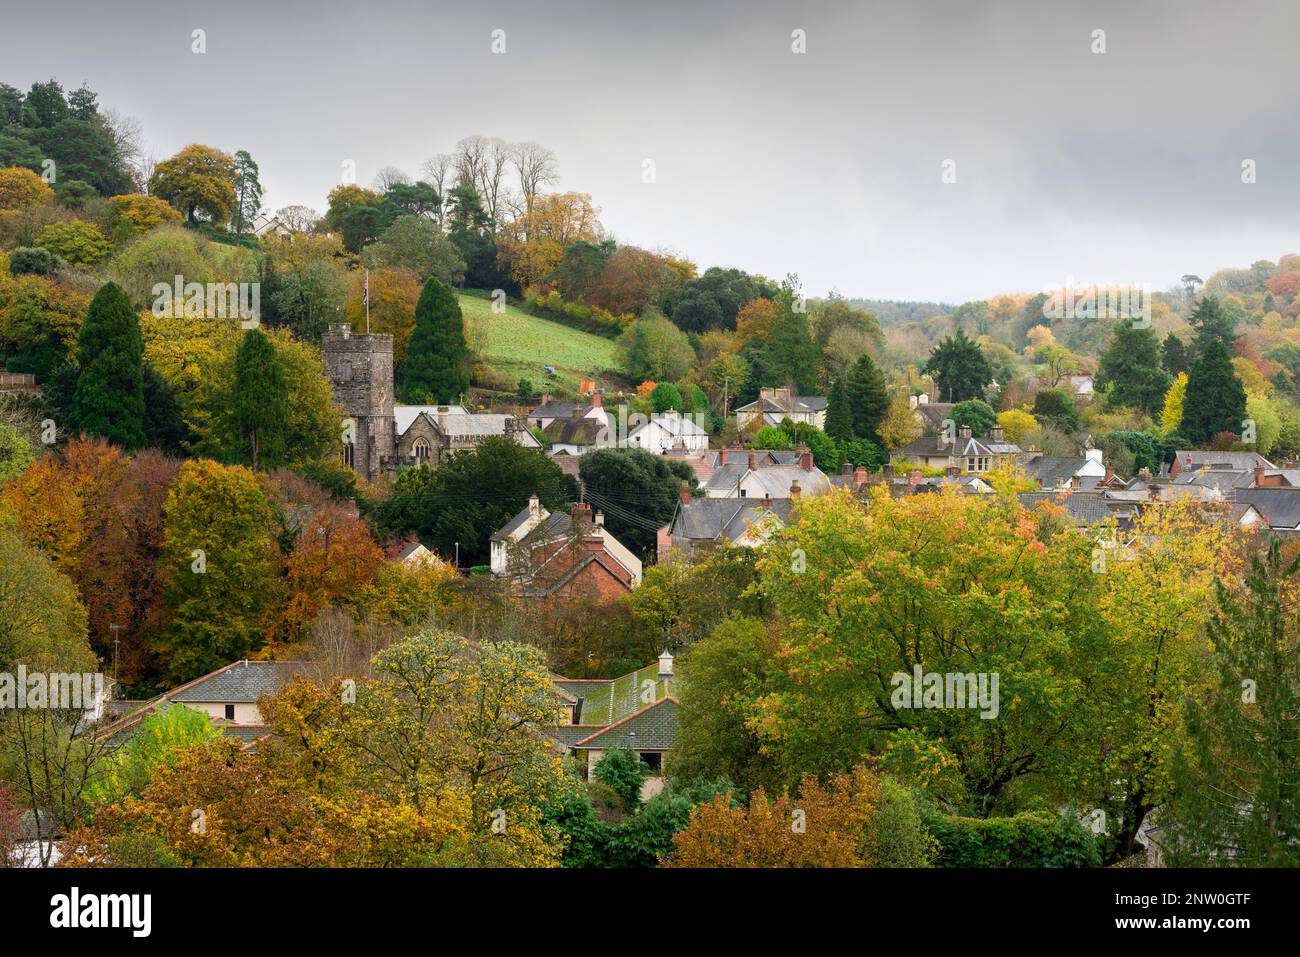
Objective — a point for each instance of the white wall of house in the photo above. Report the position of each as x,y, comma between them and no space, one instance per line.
244,713
654,437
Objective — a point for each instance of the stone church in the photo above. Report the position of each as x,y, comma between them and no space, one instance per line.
382,436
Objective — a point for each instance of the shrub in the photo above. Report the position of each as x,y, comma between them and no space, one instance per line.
33,260
1030,839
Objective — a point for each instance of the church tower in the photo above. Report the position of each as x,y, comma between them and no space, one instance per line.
360,370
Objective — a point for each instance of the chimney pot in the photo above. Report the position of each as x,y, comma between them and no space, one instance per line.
848,468
965,432
722,457
795,490
805,459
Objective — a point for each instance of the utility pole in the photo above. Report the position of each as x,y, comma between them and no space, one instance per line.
117,642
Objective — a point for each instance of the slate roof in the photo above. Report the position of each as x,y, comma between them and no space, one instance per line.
1279,506
1086,508
774,480
672,424
1239,461
1052,471
462,424
801,403
242,683
247,733
711,519
654,727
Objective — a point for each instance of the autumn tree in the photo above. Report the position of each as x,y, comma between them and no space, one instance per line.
1131,372
199,181
1238,797
334,558
222,569
534,241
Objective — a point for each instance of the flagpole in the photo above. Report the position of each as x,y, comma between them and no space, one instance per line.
367,299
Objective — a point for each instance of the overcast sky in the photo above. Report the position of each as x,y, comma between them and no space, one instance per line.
1118,167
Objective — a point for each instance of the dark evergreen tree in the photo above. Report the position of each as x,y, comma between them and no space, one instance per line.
1056,408
839,417
1215,400
976,413
1237,795
1131,371
261,399
248,194
108,400
1212,323
164,426
868,397
789,354
959,368
436,355
1174,356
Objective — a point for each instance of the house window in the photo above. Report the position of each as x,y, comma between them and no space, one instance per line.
230,712
654,759
421,450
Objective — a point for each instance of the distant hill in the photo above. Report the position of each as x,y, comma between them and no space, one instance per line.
895,313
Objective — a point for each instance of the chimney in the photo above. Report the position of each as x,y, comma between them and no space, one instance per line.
859,477
923,399
911,402
996,434
546,397
442,419
753,460
952,471
722,456
581,513
1153,493
795,490
685,492
576,414
534,506
1259,476
887,473
805,459
1075,483
1110,475
600,519
595,400
965,431
1144,474
847,469
767,501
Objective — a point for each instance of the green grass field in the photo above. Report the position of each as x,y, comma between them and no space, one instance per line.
515,345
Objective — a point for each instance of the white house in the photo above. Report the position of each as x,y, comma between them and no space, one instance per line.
670,430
